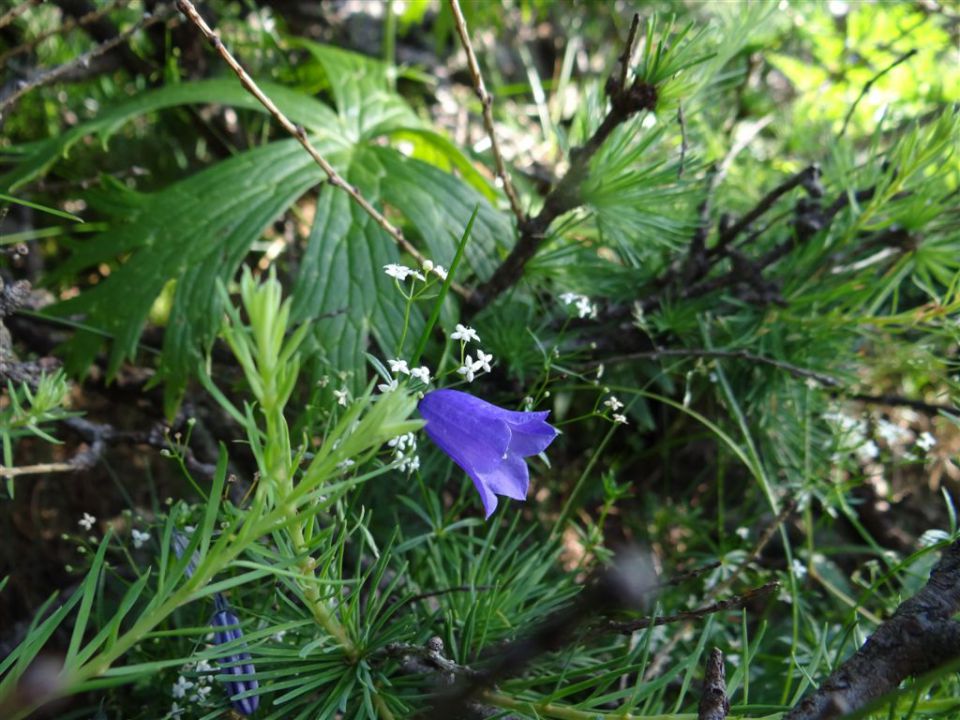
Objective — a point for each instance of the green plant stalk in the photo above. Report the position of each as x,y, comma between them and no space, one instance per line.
563,712
444,289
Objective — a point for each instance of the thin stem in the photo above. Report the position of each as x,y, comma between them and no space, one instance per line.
486,101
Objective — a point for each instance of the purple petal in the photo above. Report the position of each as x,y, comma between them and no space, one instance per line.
530,438
488,442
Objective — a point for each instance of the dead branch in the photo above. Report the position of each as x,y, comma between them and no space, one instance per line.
83,61
920,637
625,102
714,704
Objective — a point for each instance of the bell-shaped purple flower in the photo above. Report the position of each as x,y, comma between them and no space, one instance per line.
227,629
488,442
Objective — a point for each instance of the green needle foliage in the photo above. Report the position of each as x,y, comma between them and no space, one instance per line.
733,283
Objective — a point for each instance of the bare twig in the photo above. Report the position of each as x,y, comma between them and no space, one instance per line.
869,84
920,637
734,603
795,370
663,653
486,101
188,9
11,14
38,469
65,26
82,61
626,58
714,704
808,174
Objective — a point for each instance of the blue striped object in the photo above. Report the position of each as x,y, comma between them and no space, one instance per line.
227,629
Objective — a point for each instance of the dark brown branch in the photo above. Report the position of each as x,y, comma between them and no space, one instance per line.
734,603
80,62
65,26
869,84
12,14
621,587
714,704
795,370
920,637
102,30
565,196
807,175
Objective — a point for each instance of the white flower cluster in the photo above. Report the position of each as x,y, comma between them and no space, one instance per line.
402,272
139,538
471,367
405,452
585,307
614,404
401,367
853,436
194,692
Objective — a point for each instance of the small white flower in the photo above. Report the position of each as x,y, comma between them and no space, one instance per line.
422,374
867,452
799,569
467,369
388,387
139,538
585,308
345,464
620,419
410,464
926,441
206,672
180,688
87,521
341,396
464,333
201,694
483,361
440,271
401,272
613,403
176,711
279,635
399,366
568,298
743,532
398,272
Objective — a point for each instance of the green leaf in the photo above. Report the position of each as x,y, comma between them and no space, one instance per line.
89,590
197,230
300,108
41,208
439,205
342,274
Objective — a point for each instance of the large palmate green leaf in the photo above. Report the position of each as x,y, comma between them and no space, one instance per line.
197,231
342,274
300,108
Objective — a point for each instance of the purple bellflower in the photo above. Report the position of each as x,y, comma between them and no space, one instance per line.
227,629
488,442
